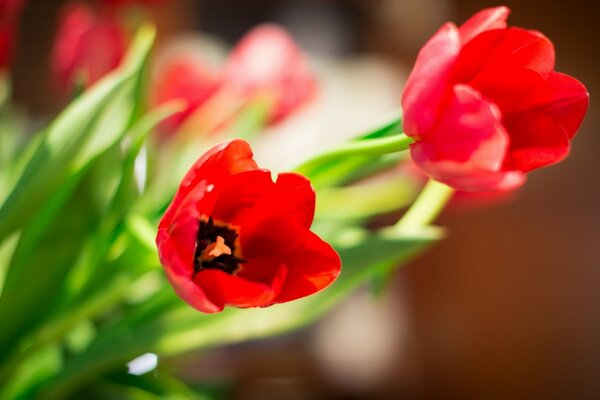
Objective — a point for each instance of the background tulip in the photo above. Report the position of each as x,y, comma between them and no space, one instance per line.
485,105
268,63
87,46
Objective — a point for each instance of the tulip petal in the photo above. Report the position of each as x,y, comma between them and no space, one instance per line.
269,235
484,20
252,195
314,266
230,290
265,269
464,177
238,196
469,131
536,141
214,167
425,87
180,275
276,222
515,70
294,197
565,100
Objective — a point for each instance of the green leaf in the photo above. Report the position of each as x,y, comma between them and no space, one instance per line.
45,363
363,256
158,383
172,327
48,244
85,272
88,126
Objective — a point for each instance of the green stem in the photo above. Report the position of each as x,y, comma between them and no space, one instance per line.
426,207
370,147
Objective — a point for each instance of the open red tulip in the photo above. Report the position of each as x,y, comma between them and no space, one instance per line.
268,63
485,105
87,46
234,237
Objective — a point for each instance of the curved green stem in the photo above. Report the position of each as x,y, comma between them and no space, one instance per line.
426,207
370,147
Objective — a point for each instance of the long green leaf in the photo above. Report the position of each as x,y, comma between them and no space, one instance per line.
75,138
84,131
181,329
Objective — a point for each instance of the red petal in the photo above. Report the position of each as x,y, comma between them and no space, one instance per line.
463,176
515,70
314,266
230,290
280,215
238,195
293,197
484,20
564,100
179,274
469,131
474,55
427,83
262,269
269,235
536,141
213,168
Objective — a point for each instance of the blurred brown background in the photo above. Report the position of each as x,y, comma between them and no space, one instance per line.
508,307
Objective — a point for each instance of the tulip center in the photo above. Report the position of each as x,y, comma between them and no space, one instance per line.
216,247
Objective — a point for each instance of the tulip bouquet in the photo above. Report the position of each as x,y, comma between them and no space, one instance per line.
111,254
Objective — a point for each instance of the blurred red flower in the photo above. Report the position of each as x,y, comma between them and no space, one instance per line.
185,77
268,63
87,46
10,11
233,237
485,105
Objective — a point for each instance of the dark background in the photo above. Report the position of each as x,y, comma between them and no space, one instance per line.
509,305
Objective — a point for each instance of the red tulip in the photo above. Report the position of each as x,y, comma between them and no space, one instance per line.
485,105
267,62
87,46
184,77
10,11
233,237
